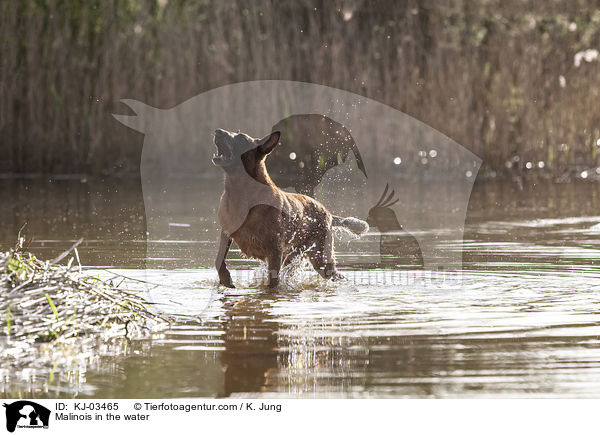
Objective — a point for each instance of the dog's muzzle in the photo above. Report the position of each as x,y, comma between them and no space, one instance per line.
223,154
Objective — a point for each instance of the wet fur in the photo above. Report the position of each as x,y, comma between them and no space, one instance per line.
278,238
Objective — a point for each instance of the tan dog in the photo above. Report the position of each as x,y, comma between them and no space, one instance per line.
266,222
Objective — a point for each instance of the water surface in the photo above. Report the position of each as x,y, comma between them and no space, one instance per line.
524,322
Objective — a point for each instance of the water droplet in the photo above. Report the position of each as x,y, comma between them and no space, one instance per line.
584,174
292,156
432,153
529,165
562,81
469,174
541,164
397,161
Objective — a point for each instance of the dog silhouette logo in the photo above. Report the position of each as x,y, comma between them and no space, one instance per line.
310,146
26,414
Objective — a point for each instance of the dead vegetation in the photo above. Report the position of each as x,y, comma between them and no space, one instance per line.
47,304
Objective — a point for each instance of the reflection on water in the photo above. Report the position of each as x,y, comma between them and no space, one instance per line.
524,323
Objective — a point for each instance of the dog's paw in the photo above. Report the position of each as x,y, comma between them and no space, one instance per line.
225,278
226,283
338,277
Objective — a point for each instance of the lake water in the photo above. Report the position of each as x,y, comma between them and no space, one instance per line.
523,323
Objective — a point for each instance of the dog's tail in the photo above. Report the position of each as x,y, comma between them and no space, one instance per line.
351,224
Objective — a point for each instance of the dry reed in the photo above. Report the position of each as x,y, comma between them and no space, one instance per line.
498,77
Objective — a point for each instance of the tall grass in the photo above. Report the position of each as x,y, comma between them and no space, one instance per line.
498,77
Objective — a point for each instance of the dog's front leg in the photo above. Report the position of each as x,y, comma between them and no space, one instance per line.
274,266
224,275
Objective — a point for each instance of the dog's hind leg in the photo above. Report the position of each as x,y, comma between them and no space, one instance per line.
224,275
322,258
274,266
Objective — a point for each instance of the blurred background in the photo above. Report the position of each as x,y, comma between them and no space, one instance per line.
513,81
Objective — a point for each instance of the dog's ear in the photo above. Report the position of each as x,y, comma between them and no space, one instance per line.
268,143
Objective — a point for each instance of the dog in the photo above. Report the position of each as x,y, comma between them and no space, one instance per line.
266,222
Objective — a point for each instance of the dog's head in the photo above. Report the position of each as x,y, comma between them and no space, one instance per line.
236,148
